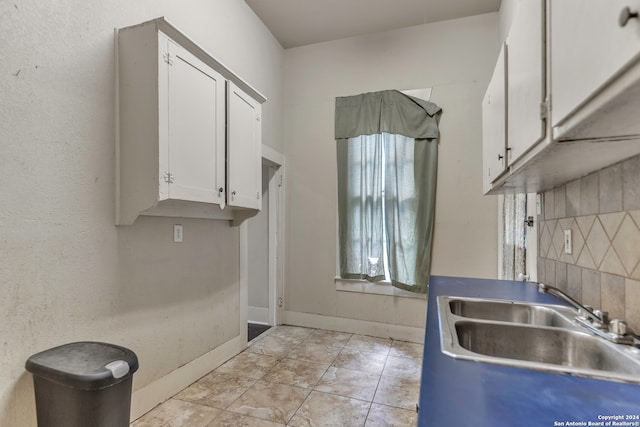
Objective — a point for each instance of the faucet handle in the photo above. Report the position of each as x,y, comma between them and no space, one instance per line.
603,315
584,312
618,327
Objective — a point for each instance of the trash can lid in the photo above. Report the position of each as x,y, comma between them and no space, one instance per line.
84,365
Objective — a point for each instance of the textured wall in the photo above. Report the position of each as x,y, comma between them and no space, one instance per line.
602,210
66,272
456,58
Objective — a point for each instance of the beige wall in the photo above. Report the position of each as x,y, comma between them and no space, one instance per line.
456,59
66,272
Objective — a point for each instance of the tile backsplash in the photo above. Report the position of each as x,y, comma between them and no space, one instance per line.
602,210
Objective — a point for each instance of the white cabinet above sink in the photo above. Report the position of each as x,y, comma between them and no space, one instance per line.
591,94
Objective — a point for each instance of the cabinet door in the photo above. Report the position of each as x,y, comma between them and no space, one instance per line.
494,116
525,76
195,128
588,46
244,149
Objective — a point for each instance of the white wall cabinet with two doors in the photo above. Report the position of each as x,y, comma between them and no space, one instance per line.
570,73
189,130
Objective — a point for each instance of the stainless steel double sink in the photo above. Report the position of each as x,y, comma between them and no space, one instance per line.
531,335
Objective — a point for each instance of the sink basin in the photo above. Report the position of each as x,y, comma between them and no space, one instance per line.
509,311
533,336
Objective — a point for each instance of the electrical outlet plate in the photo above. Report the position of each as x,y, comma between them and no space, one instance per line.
177,233
568,248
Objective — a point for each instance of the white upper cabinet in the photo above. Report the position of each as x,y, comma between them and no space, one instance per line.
192,131
494,124
244,131
573,92
173,154
595,47
526,78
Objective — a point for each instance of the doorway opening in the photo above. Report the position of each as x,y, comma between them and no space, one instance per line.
265,266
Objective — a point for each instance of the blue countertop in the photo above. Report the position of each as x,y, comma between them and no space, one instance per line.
458,392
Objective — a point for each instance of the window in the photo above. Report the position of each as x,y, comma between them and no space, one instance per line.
387,162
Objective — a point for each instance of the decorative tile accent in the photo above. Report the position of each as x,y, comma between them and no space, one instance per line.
545,240
597,242
585,223
611,223
611,263
578,241
558,241
627,244
585,259
635,215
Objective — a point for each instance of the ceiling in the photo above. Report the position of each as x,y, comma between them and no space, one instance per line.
301,22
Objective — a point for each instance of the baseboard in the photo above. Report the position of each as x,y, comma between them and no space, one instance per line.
258,315
353,326
148,397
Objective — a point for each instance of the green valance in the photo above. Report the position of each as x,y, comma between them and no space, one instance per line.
388,111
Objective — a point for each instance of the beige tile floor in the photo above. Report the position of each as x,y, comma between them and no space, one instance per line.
292,376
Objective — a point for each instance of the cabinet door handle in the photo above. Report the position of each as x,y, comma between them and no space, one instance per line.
233,193
500,157
626,15
220,190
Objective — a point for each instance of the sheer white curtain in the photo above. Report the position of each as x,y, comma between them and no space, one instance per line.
387,152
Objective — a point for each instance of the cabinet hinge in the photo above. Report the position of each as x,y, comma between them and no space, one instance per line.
167,58
258,195
168,178
280,302
544,110
281,183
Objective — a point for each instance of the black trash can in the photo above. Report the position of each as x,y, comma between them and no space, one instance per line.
83,384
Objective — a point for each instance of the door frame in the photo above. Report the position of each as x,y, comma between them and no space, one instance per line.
276,162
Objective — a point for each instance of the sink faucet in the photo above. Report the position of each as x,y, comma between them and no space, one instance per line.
597,316
597,321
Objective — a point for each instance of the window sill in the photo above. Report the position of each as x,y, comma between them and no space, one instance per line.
376,288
